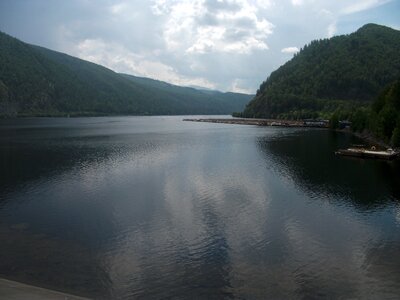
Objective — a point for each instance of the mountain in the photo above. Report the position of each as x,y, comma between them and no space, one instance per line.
330,74
382,118
227,102
37,81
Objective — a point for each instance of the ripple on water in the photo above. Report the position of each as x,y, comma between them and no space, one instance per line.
159,208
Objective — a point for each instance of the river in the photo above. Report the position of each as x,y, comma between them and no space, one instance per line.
158,208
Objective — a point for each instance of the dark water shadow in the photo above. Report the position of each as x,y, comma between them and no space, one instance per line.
51,263
308,158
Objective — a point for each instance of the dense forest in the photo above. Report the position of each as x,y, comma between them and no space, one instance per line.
382,118
337,74
35,81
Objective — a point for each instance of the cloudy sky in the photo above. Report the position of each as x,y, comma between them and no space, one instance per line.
230,45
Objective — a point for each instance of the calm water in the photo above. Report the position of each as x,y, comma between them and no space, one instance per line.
157,208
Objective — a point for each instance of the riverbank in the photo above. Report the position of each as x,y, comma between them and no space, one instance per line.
370,139
12,290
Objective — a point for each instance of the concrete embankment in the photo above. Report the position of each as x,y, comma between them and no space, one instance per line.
12,290
262,122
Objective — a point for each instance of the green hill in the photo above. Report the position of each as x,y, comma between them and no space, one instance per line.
382,118
37,81
331,74
220,102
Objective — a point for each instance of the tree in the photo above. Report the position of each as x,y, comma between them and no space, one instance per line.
359,119
334,121
395,140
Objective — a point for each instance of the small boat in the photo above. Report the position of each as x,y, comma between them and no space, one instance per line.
369,153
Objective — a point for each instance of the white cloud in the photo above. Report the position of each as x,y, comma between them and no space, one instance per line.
362,5
237,87
290,50
332,29
122,60
118,8
159,7
325,13
205,26
297,2
264,3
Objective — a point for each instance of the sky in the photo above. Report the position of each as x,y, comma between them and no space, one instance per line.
228,45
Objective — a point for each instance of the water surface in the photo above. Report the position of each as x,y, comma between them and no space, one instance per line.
153,207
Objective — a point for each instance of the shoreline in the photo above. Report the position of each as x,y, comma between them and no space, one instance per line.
14,290
367,137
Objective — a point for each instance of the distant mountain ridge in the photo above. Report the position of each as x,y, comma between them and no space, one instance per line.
36,81
330,73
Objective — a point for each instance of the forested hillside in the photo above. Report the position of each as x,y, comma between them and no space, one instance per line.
382,118
330,74
223,102
36,81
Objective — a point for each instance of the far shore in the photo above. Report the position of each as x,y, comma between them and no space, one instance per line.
367,137
265,122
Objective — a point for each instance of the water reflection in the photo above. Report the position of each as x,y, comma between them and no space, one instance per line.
185,249
42,260
308,158
159,208
331,249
